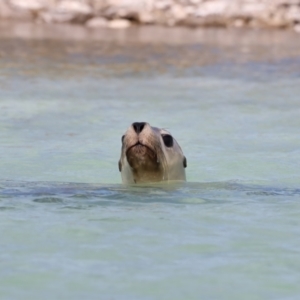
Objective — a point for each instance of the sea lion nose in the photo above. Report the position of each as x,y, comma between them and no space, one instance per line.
138,126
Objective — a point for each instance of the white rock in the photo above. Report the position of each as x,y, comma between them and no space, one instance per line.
54,17
74,7
29,4
276,13
67,11
145,17
137,4
178,12
195,1
11,12
284,2
190,10
293,13
97,22
163,5
252,9
212,8
119,24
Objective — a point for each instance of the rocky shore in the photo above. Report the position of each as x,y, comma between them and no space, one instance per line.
124,13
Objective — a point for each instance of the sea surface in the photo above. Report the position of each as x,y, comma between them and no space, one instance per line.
71,230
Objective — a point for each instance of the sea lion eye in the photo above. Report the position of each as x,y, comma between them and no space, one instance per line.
168,140
184,162
122,139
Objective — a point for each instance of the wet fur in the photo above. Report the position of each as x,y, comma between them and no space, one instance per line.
143,157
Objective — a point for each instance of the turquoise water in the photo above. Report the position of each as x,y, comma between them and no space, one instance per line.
71,230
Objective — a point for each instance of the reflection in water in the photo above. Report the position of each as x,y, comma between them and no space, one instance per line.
89,194
72,51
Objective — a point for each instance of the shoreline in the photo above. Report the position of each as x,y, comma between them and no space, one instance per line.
151,34
120,14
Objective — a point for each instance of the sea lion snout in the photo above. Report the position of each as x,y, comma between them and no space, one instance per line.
138,126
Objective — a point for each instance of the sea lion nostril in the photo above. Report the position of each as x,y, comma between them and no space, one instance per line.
138,126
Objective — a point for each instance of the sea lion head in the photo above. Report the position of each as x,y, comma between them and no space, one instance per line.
150,154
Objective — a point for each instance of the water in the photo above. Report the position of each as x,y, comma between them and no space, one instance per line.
71,230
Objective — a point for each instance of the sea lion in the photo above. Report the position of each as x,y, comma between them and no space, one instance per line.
150,154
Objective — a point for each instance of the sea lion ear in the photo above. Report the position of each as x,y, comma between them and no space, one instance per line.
184,162
120,165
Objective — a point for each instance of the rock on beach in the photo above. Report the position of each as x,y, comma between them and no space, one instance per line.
119,14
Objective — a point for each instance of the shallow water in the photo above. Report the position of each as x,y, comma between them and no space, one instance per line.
71,230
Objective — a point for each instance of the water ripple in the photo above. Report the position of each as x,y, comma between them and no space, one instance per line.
183,193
